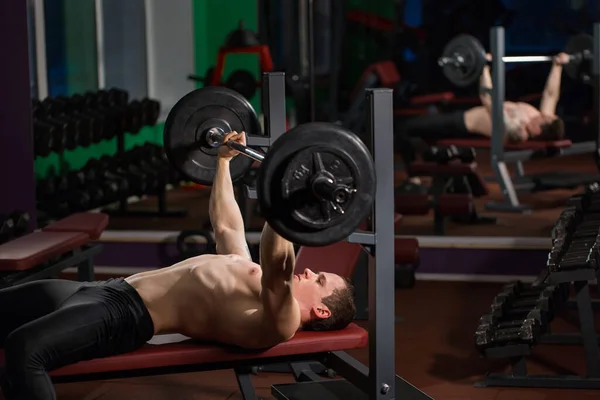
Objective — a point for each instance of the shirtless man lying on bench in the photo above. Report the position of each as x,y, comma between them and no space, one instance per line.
522,121
226,298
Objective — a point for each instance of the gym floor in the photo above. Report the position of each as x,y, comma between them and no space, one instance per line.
546,207
434,351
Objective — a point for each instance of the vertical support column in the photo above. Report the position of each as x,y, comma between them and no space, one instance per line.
596,83
273,104
169,51
121,46
311,58
381,270
41,67
498,92
498,95
17,177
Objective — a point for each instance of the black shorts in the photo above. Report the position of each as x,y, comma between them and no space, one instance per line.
47,324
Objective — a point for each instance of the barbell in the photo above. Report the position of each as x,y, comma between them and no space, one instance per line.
464,58
315,185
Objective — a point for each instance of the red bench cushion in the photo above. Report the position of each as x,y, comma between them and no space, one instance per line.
93,224
38,247
486,144
189,352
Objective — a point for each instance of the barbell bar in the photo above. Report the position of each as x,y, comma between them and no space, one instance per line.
464,58
515,59
216,136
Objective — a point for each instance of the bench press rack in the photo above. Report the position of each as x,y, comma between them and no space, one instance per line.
376,382
373,380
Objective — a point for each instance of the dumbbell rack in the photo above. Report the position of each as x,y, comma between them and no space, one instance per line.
579,279
123,210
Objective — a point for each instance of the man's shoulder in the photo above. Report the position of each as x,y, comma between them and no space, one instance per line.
281,323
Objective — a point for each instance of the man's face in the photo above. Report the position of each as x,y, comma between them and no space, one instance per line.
310,288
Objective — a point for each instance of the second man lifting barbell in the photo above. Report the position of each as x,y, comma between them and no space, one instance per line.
464,58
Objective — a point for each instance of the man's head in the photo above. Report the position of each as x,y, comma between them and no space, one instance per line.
326,300
546,127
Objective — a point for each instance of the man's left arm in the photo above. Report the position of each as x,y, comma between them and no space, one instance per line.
277,260
551,93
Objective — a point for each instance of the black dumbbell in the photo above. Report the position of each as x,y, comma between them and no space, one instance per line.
117,114
43,139
135,116
159,158
88,124
21,222
150,111
525,331
48,199
104,122
146,157
118,96
51,136
106,169
445,154
37,110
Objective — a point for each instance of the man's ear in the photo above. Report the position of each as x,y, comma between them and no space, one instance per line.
321,311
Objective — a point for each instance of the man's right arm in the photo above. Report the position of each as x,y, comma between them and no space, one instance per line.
551,92
277,260
224,212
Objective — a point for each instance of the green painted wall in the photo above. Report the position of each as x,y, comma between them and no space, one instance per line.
213,21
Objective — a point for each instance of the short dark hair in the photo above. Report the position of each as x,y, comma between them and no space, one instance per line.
554,130
342,307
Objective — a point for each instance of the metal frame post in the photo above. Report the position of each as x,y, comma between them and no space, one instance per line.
596,83
380,125
273,105
498,161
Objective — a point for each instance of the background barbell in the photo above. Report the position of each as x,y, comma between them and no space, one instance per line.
464,58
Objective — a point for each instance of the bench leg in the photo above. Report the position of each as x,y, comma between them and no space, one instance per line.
85,270
244,380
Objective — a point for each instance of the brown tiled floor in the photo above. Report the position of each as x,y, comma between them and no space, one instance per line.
546,207
434,351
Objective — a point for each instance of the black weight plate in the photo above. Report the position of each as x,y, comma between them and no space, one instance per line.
243,82
192,116
580,70
473,54
309,209
282,211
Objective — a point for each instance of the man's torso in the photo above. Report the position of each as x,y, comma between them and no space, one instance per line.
516,118
210,297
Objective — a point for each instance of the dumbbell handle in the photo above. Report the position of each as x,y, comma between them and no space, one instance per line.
215,137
